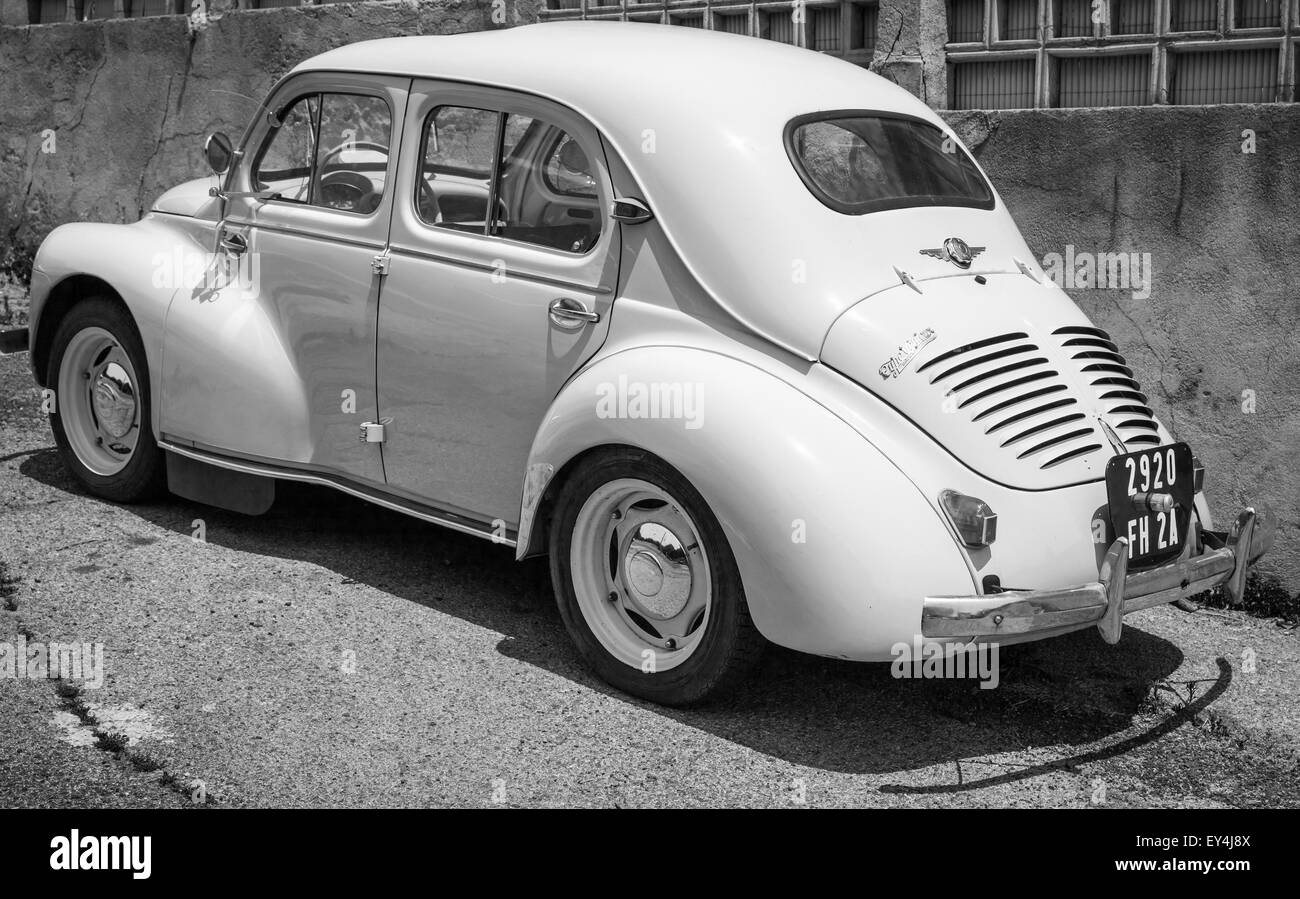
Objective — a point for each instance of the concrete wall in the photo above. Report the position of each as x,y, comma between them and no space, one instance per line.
1221,327
130,101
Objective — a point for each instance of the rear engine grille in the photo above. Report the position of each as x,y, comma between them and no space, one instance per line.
1099,362
1017,397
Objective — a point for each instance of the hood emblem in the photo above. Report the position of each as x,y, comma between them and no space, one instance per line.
956,251
895,364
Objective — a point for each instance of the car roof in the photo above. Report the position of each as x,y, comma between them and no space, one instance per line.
699,117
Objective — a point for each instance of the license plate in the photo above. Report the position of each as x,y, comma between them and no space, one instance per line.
1154,535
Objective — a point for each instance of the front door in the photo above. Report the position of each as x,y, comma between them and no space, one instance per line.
279,364
502,274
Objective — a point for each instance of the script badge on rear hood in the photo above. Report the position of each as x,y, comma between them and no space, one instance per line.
895,364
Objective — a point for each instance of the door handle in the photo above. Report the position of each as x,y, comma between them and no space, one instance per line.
570,314
233,242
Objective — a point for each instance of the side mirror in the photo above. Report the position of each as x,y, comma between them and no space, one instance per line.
219,151
630,211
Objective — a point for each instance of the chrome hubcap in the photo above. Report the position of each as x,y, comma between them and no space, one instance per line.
641,575
656,571
114,400
98,401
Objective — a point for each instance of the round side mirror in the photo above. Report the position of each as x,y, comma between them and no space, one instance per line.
219,151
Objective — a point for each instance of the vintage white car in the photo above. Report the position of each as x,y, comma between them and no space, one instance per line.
740,335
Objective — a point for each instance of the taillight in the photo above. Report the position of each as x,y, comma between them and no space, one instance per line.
976,523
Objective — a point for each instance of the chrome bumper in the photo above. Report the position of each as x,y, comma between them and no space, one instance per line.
1105,602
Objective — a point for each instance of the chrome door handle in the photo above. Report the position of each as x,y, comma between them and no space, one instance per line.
233,242
570,314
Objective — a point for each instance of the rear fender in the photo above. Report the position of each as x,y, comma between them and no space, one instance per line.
835,545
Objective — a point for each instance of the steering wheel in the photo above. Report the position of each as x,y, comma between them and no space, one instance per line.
428,201
348,190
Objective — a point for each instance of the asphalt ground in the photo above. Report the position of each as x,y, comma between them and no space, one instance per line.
330,653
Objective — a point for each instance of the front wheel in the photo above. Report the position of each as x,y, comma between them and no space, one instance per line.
101,419
646,582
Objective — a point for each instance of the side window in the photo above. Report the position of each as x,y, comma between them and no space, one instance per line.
352,153
537,180
567,170
460,146
547,185
330,150
286,163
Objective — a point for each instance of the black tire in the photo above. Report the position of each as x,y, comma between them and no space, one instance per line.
730,645
144,475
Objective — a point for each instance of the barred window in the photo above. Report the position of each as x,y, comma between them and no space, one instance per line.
1018,20
1009,54
993,84
965,21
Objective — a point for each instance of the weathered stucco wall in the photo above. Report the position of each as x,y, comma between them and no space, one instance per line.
128,103
1215,344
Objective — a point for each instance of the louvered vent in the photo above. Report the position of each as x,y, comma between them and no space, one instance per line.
1118,392
1014,395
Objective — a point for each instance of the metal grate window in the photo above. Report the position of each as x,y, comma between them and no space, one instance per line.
47,12
1223,76
777,25
1018,20
731,22
1193,15
997,84
863,23
1133,17
688,21
1258,14
965,21
139,8
1103,80
1073,18
275,4
824,29
95,9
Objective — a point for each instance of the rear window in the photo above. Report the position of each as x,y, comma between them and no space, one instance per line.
865,162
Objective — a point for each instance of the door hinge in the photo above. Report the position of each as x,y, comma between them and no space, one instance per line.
375,431
379,264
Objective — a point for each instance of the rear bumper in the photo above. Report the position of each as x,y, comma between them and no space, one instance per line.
1022,614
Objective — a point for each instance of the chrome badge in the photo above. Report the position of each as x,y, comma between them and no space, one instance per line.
895,364
956,251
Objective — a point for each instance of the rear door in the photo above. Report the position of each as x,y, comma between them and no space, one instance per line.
501,278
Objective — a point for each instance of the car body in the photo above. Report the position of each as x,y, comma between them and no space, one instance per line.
783,334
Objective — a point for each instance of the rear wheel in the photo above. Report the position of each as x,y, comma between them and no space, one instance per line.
646,582
101,418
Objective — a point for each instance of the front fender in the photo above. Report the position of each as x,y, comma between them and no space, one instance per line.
835,545
135,261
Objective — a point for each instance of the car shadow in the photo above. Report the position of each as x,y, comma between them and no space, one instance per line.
1073,691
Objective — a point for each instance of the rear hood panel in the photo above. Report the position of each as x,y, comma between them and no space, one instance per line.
1009,376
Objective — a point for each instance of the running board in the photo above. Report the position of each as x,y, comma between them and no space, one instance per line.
421,511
